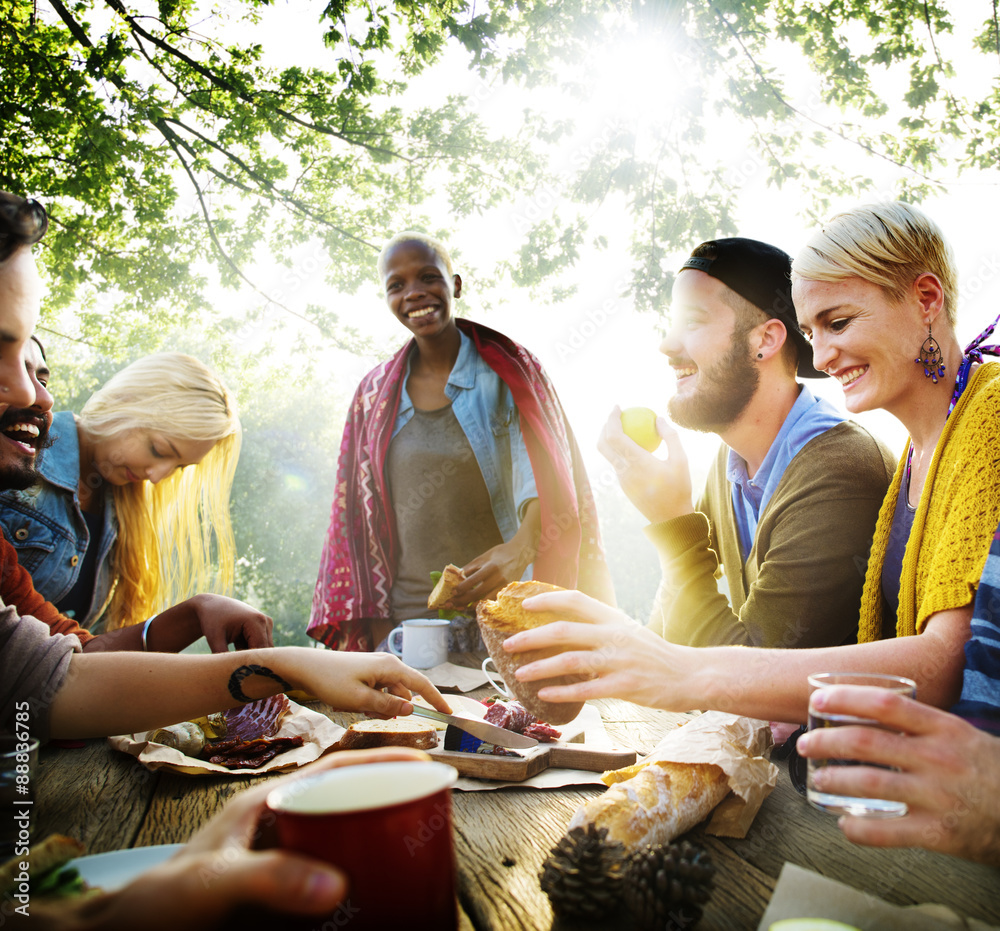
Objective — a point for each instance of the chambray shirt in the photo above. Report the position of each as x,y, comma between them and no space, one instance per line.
489,418
809,417
46,525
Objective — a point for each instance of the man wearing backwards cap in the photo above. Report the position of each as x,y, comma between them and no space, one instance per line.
791,500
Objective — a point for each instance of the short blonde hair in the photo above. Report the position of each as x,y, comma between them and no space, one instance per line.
164,552
435,245
887,244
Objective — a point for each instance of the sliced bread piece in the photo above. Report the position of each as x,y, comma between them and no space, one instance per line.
445,588
396,732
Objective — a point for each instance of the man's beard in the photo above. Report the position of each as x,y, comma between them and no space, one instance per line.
723,391
18,472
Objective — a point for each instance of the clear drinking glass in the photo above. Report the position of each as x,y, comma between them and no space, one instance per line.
846,804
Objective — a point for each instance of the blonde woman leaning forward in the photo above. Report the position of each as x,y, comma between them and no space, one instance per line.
123,514
134,488
875,289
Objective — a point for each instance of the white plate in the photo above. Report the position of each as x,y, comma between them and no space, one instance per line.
116,868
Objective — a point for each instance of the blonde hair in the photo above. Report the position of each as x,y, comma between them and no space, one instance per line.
887,244
164,552
435,245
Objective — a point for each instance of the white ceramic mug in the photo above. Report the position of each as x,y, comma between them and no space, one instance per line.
424,642
493,674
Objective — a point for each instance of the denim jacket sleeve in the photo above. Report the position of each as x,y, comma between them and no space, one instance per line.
45,525
489,418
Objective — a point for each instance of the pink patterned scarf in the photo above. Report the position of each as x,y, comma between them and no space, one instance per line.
359,557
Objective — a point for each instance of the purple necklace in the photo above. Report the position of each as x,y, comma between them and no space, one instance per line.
973,353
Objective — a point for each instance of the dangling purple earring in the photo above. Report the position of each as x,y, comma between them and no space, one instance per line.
930,358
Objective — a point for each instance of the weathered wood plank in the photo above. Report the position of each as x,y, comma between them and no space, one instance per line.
108,801
788,828
94,794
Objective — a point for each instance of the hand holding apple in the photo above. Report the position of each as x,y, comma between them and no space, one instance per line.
639,424
659,488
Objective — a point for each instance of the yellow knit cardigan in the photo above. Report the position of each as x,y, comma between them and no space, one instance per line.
955,521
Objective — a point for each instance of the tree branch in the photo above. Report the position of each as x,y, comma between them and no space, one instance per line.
74,339
996,28
278,195
218,81
804,116
175,144
937,56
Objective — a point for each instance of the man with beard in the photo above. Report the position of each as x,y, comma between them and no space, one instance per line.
26,430
791,500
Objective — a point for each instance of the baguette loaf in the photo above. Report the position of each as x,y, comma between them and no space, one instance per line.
396,732
660,803
445,587
504,617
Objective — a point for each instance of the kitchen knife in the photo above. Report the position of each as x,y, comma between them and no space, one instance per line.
498,736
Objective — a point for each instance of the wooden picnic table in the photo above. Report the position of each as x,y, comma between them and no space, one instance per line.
109,801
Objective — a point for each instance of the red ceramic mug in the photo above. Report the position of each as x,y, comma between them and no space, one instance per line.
387,826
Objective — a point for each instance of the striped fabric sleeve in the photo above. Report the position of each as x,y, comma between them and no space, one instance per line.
980,699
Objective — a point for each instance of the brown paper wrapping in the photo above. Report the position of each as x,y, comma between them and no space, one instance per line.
739,746
317,731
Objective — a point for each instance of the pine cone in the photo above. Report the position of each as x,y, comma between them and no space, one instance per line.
582,874
667,883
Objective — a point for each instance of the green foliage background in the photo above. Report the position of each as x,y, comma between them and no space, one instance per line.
175,154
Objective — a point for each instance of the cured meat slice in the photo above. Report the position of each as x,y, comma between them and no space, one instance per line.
257,718
542,732
250,742
512,716
250,754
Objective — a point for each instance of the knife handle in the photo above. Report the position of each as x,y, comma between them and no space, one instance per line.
590,759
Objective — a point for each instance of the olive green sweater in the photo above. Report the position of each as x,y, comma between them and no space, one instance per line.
801,584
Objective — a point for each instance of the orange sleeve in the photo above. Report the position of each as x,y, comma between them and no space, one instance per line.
18,591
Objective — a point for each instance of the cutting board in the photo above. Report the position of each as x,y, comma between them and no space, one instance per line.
558,755
568,753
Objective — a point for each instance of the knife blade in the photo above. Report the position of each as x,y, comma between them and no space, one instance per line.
498,736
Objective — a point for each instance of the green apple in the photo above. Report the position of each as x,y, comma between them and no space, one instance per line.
810,924
639,424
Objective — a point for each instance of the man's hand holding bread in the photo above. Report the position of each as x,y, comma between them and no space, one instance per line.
617,657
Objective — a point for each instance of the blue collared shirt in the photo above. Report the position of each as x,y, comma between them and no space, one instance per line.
809,417
485,409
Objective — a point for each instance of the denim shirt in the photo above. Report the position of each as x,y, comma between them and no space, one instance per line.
46,525
808,418
489,418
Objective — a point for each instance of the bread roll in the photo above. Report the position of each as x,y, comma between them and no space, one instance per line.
660,803
445,588
504,617
396,732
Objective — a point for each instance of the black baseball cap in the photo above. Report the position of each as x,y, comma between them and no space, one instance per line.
761,274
